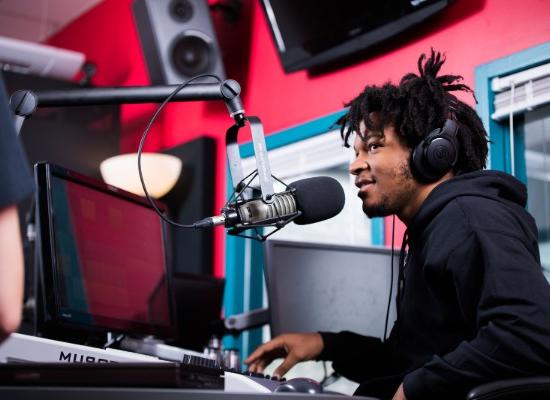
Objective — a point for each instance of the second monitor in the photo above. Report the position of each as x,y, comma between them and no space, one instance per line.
328,287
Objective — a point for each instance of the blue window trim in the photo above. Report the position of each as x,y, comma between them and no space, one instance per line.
239,251
499,131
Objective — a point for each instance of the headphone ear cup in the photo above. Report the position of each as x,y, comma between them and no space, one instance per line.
440,155
434,156
419,168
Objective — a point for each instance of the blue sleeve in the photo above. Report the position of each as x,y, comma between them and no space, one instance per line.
16,182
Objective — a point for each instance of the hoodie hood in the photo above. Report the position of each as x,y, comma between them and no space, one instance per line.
493,185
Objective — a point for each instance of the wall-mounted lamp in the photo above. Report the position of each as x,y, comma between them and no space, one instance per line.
160,172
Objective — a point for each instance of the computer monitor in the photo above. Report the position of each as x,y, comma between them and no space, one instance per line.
328,287
102,252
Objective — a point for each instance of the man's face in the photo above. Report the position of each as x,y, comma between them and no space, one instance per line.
382,172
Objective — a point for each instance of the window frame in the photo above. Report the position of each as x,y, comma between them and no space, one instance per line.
499,131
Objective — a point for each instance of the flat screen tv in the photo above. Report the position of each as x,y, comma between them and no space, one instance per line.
312,33
102,252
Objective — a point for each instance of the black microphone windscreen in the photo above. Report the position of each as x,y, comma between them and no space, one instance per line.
318,198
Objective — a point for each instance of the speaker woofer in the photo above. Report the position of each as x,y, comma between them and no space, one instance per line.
192,54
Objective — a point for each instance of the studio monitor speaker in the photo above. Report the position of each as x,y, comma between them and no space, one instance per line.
178,40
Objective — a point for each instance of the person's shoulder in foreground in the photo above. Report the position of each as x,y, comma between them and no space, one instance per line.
16,184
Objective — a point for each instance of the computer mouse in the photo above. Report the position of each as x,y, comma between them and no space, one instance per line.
300,385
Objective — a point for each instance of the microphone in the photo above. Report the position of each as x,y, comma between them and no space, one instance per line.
307,201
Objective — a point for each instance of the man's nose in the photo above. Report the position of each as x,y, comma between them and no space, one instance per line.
357,166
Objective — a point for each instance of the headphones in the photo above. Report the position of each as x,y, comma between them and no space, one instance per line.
436,154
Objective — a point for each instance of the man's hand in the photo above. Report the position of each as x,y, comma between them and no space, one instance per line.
294,347
400,394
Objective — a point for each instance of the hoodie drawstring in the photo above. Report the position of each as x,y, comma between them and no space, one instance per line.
403,259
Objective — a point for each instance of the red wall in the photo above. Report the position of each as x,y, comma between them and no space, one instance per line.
471,32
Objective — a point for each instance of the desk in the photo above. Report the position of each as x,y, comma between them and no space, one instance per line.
96,393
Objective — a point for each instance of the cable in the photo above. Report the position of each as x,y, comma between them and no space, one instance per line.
144,136
391,276
511,120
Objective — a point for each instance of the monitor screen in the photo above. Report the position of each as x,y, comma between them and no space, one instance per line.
312,33
326,287
103,256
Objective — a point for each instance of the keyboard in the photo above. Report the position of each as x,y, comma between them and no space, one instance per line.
235,381
25,348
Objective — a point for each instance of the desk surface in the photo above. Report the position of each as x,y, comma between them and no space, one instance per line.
96,393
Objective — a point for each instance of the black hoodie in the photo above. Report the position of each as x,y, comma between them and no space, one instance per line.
475,306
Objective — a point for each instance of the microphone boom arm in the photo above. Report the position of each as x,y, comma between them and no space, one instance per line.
228,91
24,102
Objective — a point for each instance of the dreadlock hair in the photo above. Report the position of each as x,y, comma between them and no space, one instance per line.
417,106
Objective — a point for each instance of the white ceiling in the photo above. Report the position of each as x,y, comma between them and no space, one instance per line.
36,20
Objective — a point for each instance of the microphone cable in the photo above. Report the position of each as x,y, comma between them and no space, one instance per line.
144,136
391,275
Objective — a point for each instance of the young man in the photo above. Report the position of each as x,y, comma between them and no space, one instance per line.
473,305
16,183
